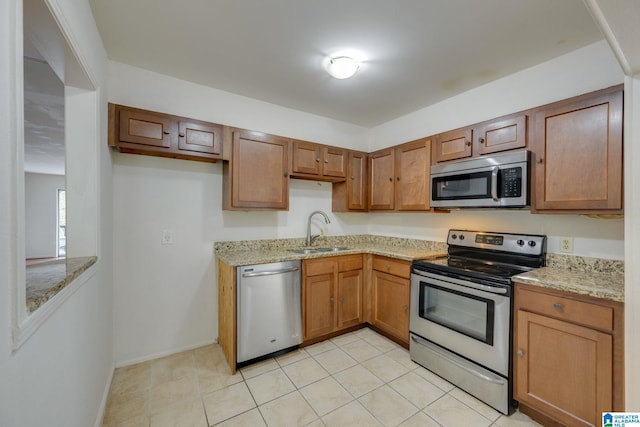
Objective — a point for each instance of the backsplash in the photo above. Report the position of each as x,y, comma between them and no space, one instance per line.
350,240
586,264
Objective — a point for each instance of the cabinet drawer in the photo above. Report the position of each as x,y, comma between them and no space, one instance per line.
319,266
391,266
582,312
350,262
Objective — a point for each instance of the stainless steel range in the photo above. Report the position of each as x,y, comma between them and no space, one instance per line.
462,311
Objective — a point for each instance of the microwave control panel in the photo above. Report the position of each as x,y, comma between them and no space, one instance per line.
511,182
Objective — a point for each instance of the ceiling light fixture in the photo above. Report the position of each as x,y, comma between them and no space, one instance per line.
342,67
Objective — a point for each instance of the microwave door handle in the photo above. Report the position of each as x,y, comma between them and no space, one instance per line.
494,183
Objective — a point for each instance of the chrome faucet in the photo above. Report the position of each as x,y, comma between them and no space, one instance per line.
309,236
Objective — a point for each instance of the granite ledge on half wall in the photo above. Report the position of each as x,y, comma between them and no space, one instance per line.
45,280
596,277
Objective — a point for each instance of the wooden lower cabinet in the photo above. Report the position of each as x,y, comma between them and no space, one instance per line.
568,364
331,294
390,285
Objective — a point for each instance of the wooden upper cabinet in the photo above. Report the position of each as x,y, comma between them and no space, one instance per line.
137,131
381,180
305,158
453,145
413,164
200,137
147,128
257,177
351,195
507,133
578,147
319,162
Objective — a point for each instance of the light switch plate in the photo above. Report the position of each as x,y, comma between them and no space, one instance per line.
167,237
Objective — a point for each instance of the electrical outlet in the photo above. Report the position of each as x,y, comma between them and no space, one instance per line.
566,245
167,237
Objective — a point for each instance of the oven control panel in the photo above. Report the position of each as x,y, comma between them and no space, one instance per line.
526,244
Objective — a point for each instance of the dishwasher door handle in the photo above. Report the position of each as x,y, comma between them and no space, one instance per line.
270,272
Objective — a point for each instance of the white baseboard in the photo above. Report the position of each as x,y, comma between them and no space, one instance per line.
140,359
105,397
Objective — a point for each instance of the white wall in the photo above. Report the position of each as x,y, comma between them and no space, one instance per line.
166,296
59,376
584,70
41,213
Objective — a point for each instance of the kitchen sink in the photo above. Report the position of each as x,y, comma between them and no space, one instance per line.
319,250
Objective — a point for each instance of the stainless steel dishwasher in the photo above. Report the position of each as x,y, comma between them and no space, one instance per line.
269,314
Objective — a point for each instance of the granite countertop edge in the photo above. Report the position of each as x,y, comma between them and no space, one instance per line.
53,280
605,285
596,277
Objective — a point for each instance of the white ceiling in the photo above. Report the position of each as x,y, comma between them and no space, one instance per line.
415,52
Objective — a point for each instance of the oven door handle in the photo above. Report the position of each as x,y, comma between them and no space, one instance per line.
494,183
455,362
467,283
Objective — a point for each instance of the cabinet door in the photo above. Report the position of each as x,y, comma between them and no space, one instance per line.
306,158
413,168
200,137
356,182
500,135
334,162
381,182
390,305
579,155
319,305
563,369
259,165
455,144
147,128
349,298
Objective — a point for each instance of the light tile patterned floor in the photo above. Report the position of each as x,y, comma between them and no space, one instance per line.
358,379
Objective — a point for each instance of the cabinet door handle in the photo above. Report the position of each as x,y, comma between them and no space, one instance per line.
520,353
353,177
286,174
326,161
397,178
331,299
166,132
539,160
341,299
405,308
318,159
181,135
558,306
390,179
467,143
481,140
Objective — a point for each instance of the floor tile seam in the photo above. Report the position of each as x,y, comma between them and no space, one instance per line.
461,402
232,417
287,394
379,420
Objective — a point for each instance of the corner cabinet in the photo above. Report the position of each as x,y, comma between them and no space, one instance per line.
578,147
332,295
568,361
390,289
137,131
256,177
399,177
351,195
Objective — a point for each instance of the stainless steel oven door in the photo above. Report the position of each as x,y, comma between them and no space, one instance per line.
470,319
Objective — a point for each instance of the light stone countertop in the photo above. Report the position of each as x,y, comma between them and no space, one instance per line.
46,279
594,277
250,252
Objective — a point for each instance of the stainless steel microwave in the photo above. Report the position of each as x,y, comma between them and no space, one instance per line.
496,181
